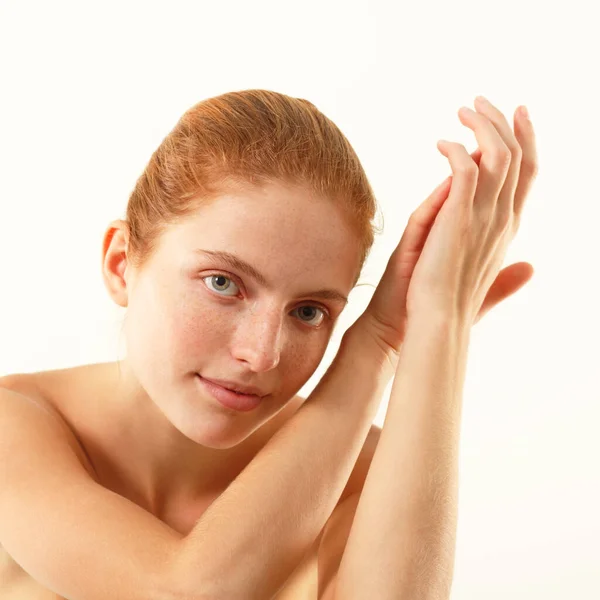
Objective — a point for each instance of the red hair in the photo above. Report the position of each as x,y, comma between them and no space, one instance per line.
250,137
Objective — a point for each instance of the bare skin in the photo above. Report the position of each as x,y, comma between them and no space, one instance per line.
103,455
129,444
142,426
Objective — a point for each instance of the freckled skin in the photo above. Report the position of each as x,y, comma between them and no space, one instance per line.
179,323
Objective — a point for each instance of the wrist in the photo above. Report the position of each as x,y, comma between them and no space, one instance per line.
361,338
441,321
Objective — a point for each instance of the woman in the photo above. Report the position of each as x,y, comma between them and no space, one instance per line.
242,241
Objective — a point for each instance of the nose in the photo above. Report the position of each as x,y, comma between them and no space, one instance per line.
258,339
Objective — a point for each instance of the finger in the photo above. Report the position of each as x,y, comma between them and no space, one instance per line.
464,174
417,230
495,160
529,162
505,202
424,216
425,212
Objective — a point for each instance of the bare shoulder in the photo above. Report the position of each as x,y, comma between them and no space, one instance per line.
21,383
30,386
36,387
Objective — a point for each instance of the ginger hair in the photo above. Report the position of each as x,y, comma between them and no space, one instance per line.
249,137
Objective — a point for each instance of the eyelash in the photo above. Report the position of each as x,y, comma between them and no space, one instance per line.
325,312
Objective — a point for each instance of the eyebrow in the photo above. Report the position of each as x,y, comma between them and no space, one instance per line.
241,265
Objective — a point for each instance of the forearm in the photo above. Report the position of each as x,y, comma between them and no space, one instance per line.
402,540
251,538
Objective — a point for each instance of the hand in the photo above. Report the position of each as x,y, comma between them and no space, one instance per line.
471,234
386,316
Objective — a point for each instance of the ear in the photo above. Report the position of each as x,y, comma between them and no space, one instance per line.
114,261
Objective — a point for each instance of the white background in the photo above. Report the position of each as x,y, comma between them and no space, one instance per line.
89,90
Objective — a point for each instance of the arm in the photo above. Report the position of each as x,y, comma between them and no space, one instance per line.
70,534
251,538
83,541
402,540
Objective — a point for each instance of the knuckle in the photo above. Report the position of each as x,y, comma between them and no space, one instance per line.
516,152
529,167
504,220
501,157
468,169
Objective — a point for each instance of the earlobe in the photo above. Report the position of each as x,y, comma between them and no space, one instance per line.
114,280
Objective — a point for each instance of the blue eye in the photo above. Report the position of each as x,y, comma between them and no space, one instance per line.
224,283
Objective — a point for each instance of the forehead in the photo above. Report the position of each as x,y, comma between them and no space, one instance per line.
277,229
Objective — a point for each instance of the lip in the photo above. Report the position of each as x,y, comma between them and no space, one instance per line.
229,399
248,390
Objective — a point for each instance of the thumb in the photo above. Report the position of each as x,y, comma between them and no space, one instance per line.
508,281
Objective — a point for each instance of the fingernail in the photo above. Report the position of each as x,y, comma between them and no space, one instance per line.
524,112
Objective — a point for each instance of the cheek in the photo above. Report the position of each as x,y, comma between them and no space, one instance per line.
194,327
149,344
300,362
169,323
186,315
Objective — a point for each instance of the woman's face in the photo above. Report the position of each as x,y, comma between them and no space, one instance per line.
190,312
